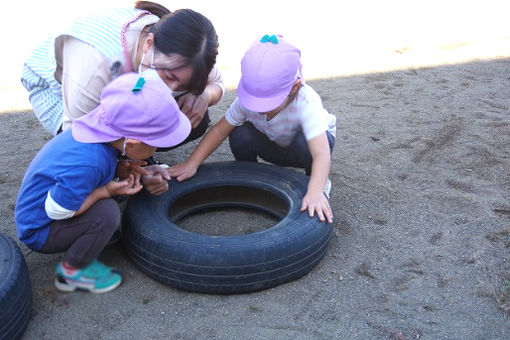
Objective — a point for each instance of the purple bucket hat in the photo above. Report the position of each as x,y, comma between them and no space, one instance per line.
269,69
148,113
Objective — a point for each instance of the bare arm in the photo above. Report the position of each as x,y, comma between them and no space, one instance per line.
210,142
129,186
96,195
315,200
194,107
214,93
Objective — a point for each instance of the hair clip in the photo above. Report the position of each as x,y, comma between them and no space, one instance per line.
269,38
138,85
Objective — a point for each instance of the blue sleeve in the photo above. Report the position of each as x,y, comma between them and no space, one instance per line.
73,187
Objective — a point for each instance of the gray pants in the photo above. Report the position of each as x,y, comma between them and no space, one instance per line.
85,236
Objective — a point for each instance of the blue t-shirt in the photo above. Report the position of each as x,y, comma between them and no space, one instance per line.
70,170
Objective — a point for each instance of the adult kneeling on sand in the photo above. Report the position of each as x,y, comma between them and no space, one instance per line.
67,72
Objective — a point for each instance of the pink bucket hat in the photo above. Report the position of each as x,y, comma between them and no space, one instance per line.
269,69
134,107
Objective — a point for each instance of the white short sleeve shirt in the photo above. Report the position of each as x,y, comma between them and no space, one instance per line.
305,113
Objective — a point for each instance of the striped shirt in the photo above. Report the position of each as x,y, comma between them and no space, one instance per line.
45,92
305,113
84,58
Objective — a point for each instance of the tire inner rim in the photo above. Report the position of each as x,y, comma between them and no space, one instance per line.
227,210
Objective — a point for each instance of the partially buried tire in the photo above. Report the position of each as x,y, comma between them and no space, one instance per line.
15,290
233,263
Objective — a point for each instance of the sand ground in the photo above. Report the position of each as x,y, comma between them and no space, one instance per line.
420,172
421,197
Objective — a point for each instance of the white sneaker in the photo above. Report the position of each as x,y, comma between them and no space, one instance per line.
327,188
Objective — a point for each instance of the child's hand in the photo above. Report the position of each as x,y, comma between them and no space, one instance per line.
127,166
317,202
128,186
183,171
156,179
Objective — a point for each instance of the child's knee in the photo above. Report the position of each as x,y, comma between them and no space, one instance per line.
240,138
241,146
108,214
241,134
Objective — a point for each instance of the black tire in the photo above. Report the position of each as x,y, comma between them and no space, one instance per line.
226,264
15,290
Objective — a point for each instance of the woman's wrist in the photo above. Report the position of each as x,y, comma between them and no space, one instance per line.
213,93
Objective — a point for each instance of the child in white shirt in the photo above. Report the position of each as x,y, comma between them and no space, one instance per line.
275,117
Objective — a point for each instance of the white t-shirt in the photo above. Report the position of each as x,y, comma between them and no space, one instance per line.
305,113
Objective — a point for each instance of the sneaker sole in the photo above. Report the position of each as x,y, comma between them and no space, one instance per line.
66,287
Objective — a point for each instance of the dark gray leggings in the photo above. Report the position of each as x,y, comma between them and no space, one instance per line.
84,237
247,143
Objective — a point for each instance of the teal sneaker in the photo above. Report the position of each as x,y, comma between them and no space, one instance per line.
96,278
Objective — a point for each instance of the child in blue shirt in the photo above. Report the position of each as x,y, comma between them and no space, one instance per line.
65,200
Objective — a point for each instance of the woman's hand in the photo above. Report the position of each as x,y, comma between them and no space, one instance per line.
128,186
194,107
317,202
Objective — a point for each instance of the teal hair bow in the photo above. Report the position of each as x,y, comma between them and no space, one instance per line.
138,85
269,38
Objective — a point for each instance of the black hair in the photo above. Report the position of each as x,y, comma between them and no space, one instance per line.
191,35
155,8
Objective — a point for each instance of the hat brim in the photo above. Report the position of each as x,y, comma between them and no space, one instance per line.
260,104
92,128
175,137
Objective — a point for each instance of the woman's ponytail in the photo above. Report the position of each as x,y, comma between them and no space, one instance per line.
152,7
